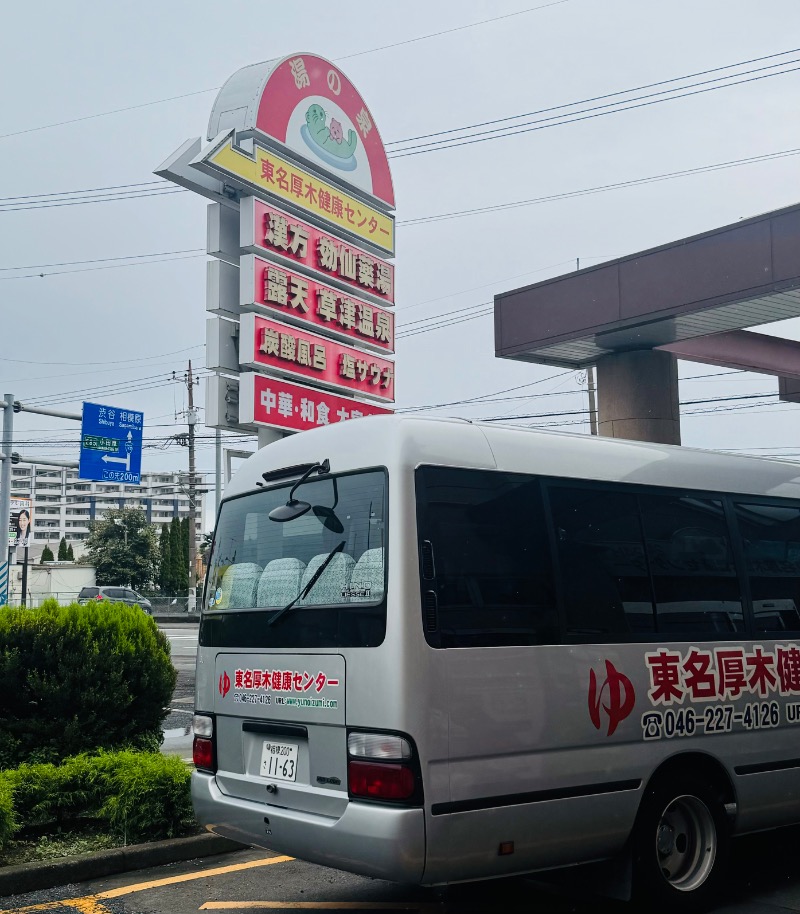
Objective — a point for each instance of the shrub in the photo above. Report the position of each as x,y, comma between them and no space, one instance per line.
45,793
141,795
8,819
78,678
149,796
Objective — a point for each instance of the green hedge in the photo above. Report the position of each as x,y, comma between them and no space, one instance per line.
139,795
8,818
78,678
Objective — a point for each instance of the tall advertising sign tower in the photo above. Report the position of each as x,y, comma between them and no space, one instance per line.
301,284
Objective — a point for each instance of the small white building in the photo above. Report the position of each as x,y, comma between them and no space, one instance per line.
58,579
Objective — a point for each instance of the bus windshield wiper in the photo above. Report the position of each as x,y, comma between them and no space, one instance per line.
307,589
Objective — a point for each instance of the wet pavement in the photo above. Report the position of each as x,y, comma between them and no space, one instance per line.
177,726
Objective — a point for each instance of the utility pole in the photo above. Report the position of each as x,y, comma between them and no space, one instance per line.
5,496
590,383
189,381
592,388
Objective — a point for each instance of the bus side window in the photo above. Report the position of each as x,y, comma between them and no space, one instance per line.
603,573
771,543
493,575
695,583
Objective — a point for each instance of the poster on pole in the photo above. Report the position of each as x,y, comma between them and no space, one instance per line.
20,526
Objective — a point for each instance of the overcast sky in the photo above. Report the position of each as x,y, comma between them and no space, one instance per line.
84,327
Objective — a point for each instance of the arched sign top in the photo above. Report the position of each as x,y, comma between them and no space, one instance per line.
309,105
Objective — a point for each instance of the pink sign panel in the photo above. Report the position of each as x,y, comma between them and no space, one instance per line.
288,349
332,133
280,289
292,407
286,236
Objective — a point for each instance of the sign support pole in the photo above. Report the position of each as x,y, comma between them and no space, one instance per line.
191,604
217,471
23,601
5,495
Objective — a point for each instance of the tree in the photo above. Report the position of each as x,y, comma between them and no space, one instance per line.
47,554
62,549
180,568
123,547
165,576
70,553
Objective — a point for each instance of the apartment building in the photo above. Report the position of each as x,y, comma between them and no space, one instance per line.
63,504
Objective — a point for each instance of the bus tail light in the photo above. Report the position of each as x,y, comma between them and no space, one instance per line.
380,781
204,753
383,767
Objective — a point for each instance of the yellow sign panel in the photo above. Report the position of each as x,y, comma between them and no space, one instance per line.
280,178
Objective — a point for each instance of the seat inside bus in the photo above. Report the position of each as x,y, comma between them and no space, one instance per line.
332,585
239,585
366,581
280,581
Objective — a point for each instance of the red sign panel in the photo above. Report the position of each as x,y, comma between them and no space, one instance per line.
274,230
279,289
287,349
294,407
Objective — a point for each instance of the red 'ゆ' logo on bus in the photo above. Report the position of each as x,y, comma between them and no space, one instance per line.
619,696
224,684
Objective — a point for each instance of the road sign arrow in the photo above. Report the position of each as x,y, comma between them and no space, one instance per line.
126,460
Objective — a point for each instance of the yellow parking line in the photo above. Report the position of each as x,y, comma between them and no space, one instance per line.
187,877
89,904
321,905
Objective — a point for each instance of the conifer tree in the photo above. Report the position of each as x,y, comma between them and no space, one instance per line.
179,571
62,549
47,554
70,553
165,577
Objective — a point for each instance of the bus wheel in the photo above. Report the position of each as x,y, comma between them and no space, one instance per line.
681,842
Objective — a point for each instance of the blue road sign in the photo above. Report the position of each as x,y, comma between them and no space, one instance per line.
111,444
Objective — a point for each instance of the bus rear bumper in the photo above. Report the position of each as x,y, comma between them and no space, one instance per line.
367,839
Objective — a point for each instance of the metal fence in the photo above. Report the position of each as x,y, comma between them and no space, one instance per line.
159,602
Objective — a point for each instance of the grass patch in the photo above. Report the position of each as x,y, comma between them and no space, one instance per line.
81,840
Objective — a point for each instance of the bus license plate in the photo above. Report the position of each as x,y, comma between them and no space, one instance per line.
279,761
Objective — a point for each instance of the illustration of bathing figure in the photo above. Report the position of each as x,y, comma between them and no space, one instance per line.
327,140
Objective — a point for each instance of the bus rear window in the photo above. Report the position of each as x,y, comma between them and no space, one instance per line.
328,565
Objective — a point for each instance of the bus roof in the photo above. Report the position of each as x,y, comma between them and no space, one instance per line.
404,442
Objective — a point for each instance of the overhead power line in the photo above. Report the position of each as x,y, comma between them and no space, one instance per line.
590,113
95,198
71,263
456,135
460,28
161,256
173,98
437,217
604,188
597,98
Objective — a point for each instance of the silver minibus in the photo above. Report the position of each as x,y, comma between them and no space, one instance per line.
435,651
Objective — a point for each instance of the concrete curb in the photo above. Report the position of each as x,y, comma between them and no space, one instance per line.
176,617
46,874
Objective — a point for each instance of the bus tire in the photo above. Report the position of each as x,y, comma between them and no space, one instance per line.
681,842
